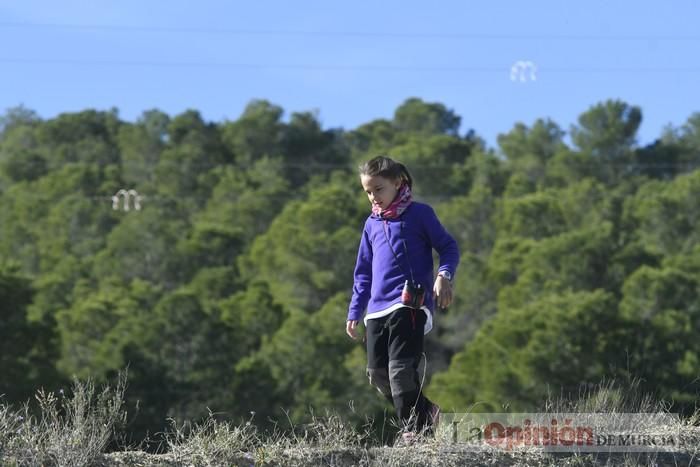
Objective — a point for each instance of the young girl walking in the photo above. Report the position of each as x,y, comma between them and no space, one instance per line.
394,284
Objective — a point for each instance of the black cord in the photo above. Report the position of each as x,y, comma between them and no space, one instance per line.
386,234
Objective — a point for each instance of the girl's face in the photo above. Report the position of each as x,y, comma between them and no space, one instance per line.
380,191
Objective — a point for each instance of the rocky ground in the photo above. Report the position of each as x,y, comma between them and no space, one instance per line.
407,456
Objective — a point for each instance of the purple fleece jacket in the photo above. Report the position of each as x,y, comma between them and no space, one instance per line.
379,279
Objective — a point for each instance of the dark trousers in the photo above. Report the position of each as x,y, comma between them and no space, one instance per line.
394,350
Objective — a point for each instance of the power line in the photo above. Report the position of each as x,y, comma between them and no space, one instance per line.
336,67
187,167
347,33
147,201
252,66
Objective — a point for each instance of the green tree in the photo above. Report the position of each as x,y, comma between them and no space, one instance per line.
436,157
258,132
537,215
373,138
17,116
309,150
25,361
607,133
141,246
524,354
228,289
470,219
195,350
417,116
529,150
21,158
247,200
666,215
88,137
308,253
141,145
662,313
307,367
184,169
101,324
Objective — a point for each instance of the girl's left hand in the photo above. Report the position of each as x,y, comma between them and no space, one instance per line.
442,291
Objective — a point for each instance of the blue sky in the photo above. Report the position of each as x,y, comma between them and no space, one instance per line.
353,62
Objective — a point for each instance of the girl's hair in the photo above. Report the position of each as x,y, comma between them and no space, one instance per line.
386,167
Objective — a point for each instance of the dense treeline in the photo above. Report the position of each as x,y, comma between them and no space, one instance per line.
228,289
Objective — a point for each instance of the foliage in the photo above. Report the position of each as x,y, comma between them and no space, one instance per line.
227,291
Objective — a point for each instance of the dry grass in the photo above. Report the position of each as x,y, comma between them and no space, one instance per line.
75,429
70,430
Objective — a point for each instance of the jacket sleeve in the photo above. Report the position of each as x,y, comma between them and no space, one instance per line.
362,279
442,242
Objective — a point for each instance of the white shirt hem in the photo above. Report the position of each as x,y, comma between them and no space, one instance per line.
379,314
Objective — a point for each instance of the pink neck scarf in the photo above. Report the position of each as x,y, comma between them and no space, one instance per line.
398,206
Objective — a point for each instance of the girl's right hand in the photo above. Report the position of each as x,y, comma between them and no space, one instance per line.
351,328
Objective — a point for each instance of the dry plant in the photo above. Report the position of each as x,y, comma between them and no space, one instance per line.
75,430
70,430
211,442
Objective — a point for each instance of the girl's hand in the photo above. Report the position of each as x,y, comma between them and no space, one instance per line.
351,328
442,291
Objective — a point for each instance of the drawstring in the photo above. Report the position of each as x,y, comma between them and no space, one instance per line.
385,224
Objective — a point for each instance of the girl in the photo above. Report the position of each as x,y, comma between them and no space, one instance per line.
394,269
